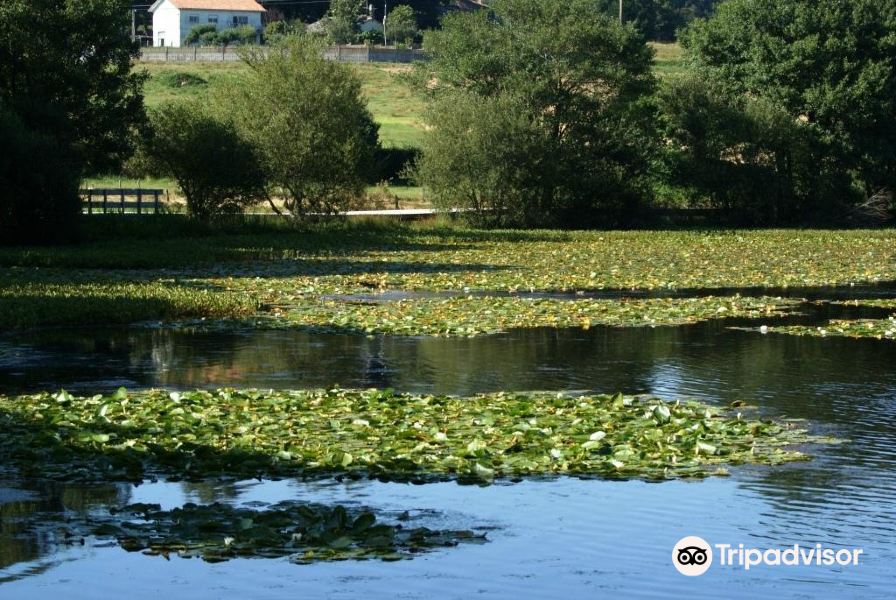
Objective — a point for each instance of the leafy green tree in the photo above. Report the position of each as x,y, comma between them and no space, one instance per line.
276,32
342,20
65,69
539,116
38,185
65,75
826,69
310,124
217,170
401,24
661,19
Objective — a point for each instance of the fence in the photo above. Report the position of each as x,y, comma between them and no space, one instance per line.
112,200
352,54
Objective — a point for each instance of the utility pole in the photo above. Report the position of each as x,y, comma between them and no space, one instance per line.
385,12
620,11
133,25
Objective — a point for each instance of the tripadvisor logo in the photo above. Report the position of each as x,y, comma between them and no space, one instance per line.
692,556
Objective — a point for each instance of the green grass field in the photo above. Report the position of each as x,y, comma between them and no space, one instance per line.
395,107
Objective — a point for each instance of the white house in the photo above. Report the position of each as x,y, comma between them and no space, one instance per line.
172,20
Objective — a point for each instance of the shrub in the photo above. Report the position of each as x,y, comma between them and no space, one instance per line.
216,169
309,123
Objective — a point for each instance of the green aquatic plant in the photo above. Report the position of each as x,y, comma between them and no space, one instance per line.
880,329
303,532
380,434
477,315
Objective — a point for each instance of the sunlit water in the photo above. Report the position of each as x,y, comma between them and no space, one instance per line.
558,538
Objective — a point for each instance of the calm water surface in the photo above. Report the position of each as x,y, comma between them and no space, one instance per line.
559,538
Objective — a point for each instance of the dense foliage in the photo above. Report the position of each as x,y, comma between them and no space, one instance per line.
795,98
307,120
401,24
38,184
69,98
217,171
210,35
342,20
661,19
538,115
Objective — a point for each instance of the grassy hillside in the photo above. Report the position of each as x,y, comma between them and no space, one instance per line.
393,105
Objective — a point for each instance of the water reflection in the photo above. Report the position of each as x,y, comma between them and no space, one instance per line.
24,538
846,495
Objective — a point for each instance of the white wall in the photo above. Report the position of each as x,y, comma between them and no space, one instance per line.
172,24
166,29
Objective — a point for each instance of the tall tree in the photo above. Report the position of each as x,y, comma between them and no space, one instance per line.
827,65
65,75
309,123
538,114
342,20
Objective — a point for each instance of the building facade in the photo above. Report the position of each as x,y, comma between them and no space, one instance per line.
172,20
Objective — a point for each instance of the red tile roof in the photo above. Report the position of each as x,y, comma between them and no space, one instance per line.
244,5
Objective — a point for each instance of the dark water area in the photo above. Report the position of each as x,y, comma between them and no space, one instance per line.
556,538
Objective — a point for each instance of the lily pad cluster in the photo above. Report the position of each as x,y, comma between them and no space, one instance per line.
49,300
476,315
880,329
380,434
301,531
229,274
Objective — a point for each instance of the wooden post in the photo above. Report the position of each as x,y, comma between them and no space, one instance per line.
155,203
121,191
90,201
195,52
105,201
139,200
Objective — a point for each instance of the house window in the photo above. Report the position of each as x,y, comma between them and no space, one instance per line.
213,19
237,20
193,19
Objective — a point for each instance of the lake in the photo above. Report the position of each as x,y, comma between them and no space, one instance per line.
561,537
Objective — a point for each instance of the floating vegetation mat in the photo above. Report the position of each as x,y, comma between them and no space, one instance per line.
380,434
303,532
870,302
477,315
881,329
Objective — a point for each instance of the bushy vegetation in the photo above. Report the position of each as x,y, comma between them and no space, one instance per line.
68,100
789,114
529,130
210,35
216,169
307,120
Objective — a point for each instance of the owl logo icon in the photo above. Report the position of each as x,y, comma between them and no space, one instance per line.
692,556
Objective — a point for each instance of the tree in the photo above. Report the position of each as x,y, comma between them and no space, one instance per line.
825,64
309,123
65,69
539,114
216,169
65,75
342,20
401,24
38,185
